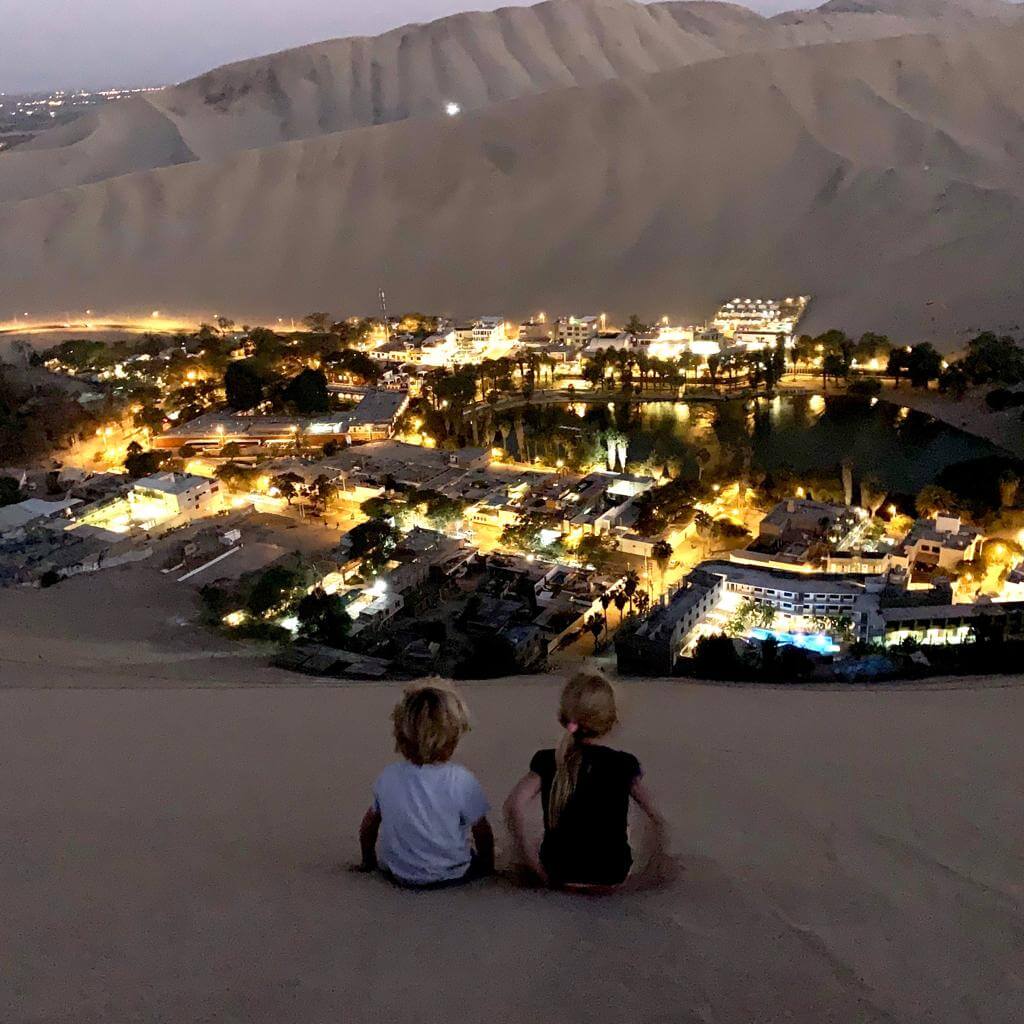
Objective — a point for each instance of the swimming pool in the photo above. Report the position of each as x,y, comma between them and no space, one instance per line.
816,643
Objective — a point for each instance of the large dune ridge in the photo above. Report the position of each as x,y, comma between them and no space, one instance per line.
475,59
883,177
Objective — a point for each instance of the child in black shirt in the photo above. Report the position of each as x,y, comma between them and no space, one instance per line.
585,789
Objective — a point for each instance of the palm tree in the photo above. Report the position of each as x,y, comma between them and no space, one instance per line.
606,599
714,362
505,428
520,436
595,624
661,552
630,585
703,457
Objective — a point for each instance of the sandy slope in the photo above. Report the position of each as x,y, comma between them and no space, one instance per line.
882,177
475,59
178,856
175,836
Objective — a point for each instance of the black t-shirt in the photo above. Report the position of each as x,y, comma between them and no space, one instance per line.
589,845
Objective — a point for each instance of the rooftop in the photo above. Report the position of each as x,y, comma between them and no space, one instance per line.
947,531
12,517
172,483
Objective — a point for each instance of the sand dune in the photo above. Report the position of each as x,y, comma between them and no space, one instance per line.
177,819
474,59
883,176
179,855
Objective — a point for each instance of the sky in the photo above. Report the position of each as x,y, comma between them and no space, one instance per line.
60,44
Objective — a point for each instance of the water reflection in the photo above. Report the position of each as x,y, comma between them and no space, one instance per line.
904,449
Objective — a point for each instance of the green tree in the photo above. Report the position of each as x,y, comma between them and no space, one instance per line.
715,657
924,365
898,365
354,363
634,325
872,493
322,617
243,384
308,392
832,365
751,614
802,351
373,542
596,550
323,490
992,359
141,463
933,499
267,347
318,323
149,417
1009,484
442,511
870,347
630,585
272,591
287,485
237,476
661,551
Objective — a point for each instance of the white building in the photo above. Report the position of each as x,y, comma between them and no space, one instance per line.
537,331
668,342
578,330
25,513
758,321
941,543
176,493
799,597
610,340
487,331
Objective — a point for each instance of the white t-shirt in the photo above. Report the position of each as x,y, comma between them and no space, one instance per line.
426,815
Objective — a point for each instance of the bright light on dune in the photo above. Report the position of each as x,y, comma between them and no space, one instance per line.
451,109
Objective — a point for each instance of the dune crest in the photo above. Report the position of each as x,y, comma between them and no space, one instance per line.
882,176
474,59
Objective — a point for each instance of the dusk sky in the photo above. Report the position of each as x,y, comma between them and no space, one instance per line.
97,43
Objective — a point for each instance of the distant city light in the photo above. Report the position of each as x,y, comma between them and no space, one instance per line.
451,109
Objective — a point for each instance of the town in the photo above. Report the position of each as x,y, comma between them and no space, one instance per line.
24,115
393,496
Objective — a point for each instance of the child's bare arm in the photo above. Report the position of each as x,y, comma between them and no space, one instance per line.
368,829
483,840
660,868
642,795
526,790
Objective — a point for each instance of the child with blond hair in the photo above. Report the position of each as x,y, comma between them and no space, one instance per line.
427,826
585,790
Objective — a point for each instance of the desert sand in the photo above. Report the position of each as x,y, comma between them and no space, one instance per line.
610,155
475,59
882,177
176,847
